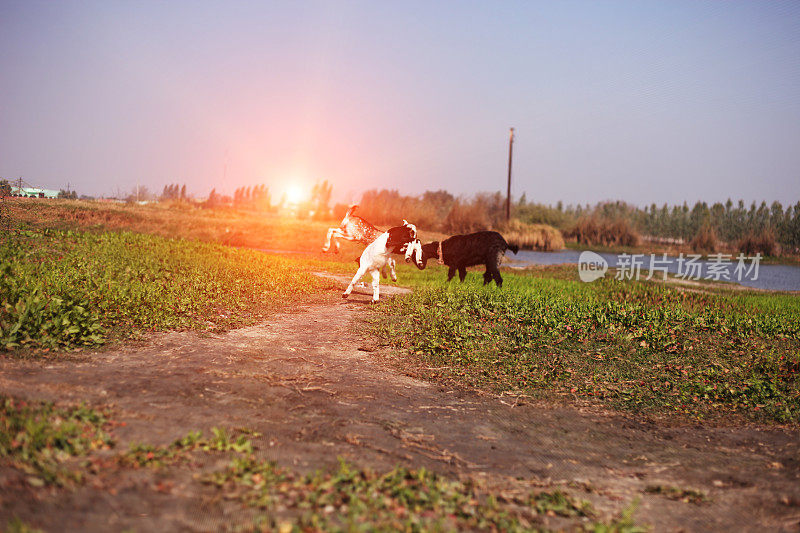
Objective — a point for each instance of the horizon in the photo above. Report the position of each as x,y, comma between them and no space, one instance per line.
660,102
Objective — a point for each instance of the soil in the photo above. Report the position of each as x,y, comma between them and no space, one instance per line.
317,387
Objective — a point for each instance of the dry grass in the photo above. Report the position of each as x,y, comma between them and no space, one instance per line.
533,236
763,243
241,228
467,218
595,230
705,241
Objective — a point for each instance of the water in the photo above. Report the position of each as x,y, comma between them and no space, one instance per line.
770,277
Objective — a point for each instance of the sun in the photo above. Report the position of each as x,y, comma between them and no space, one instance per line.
295,194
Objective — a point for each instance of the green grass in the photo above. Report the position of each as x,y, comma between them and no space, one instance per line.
38,438
632,345
141,454
400,499
64,289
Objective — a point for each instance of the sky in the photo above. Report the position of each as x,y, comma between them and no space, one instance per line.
640,101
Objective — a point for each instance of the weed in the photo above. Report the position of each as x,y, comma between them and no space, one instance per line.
148,455
350,498
622,524
37,437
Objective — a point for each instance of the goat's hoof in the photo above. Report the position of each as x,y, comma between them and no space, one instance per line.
394,278
345,295
373,301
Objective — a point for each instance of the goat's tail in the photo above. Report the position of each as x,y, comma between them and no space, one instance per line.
514,248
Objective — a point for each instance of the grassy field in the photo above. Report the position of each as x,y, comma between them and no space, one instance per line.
65,289
637,346
113,273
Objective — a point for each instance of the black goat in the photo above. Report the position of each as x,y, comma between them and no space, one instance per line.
461,251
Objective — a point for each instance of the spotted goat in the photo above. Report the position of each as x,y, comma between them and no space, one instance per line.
355,228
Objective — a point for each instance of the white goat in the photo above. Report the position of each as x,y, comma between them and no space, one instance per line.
400,239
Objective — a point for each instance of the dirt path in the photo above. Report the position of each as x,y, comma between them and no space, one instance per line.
316,388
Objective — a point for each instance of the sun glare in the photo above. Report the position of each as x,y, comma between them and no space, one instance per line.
295,194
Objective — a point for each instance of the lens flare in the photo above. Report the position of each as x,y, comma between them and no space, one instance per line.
295,194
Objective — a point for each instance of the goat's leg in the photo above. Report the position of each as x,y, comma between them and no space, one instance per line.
462,273
359,274
376,286
332,234
493,269
391,264
451,272
487,276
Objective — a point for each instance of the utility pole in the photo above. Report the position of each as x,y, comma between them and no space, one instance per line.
508,193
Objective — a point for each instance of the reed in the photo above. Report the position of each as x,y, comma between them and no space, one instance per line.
705,240
541,237
763,242
594,230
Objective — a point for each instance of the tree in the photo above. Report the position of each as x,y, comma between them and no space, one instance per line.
320,199
213,199
5,188
140,193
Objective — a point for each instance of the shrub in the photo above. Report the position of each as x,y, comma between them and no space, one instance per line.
763,243
705,240
604,231
466,218
533,236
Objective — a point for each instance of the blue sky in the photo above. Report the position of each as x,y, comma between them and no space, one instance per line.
640,101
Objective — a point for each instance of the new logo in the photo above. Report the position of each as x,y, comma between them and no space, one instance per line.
591,266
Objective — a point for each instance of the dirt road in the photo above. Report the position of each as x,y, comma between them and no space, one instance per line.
316,387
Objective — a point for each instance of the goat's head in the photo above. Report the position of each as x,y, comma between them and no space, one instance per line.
420,253
399,236
414,253
403,239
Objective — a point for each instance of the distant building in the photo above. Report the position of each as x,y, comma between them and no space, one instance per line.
33,192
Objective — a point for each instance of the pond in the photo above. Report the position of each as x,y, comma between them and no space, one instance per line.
769,277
